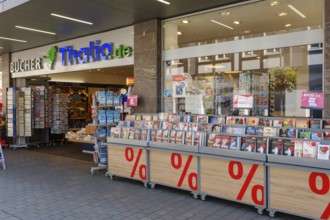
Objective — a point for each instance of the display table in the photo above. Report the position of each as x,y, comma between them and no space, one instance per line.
174,165
128,159
299,186
244,172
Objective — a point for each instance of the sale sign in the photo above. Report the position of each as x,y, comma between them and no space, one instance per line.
243,101
312,100
174,169
132,100
303,192
127,162
246,180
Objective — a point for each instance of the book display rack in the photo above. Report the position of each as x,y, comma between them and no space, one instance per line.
204,154
2,158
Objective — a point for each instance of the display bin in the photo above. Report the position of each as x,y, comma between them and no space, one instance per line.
299,186
128,159
244,172
174,165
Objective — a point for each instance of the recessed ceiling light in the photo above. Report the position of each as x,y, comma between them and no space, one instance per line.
13,39
274,3
36,30
185,21
237,22
297,11
72,19
179,33
247,31
287,25
282,14
219,23
165,2
224,13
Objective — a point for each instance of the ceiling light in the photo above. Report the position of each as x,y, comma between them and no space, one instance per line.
236,22
36,30
247,31
297,11
165,2
224,13
72,19
287,25
185,21
282,14
219,23
1,48
179,33
274,3
13,39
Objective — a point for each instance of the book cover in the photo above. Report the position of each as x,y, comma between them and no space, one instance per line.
203,127
159,135
216,128
305,135
248,144
147,117
278,123
166,135
224,142
163,116
261,145
148,124
202,119
317,136
288,132
265,122
252,121
189,138
155,117
137,135
326,135
179,137
144,134
238,131
102,134
193,127
315,123
323,152
157,125
172,136
230,120
138,117
217,119
259,131
276,147
250,130
131,133
239,120
310,149
233,144
298,148
211,140
138,124
184,126
153,135
302,123
288,123
270,131
326,124
197,138
288,148
124,133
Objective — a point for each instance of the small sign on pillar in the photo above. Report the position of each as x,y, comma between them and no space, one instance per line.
132,100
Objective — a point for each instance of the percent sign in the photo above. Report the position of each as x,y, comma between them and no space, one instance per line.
176,162
320,191
239,175
129,155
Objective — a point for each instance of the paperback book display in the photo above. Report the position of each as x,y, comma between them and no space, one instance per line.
28,97
41,107
59,113
11,113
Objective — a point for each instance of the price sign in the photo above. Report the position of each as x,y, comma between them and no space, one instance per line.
132,100
127,162
243,101
246,180
174,169
303,192
312,100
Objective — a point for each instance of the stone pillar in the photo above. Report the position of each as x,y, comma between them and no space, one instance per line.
147,66
327,59
6,82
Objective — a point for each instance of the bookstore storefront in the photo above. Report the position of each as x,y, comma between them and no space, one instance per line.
254,59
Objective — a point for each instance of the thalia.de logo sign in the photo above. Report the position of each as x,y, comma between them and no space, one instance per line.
95,52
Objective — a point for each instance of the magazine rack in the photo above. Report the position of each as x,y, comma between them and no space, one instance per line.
2,158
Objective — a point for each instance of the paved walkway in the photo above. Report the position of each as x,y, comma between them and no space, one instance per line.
43,186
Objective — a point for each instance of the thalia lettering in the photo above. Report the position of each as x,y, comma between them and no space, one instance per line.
95,52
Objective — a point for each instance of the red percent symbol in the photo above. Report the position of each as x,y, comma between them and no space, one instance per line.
239,174
129,155
176,162
320,191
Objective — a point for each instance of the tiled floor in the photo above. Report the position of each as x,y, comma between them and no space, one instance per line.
45,186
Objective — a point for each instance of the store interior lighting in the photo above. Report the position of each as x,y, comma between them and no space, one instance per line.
297,11
36,30
72,19
224,25
164,2
13,39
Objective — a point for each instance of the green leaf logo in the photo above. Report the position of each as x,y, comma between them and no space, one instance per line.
51,56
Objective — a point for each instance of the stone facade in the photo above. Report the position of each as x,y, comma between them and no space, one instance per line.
6,81
147,66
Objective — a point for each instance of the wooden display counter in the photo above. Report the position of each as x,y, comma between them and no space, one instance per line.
128,161
233,179
173,168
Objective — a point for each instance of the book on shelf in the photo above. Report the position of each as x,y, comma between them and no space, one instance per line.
270,131
131,133
288,123
323,152
174,118
252,121
261,145
211,140
224,144
305,134
102,134
155,117
248,144
153,135
214,119
288,148
315,123
157,125
148,124
326,124
124,132
302,123
115,132
250,130
298,148
188,139
326,135
310,149
137,135
184,126
172,136
259,131
230,120
166,136
238,130
144,134
233,143
203,127
287,132
163,116
138,117
278,123
147,117
159,135
265,122
179,137
193,126
202,119
216,128
317,136
276,147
